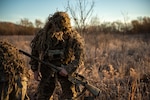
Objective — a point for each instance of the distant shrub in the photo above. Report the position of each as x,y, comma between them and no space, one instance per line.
7,28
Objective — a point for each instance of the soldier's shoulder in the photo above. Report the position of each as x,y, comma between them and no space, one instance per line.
39,32
76,35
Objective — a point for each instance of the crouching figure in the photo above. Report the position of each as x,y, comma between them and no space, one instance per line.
13,74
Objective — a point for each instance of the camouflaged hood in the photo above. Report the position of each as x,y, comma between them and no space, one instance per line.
57,25
61,20
11,64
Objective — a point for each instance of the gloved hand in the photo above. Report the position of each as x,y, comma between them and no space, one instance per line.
63,71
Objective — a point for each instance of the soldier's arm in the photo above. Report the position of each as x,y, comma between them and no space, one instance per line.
79,57
34,63
34,51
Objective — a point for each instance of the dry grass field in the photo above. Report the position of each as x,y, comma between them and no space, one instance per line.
117,64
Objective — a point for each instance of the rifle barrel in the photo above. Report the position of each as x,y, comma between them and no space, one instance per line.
35,58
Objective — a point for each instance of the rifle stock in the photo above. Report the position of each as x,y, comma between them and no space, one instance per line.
79,79
94,90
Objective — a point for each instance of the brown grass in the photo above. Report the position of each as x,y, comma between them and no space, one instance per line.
118,65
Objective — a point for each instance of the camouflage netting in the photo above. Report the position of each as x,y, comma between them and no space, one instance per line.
58,34
12,67
58,26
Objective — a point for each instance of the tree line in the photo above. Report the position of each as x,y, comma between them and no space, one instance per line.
24,27
84,23
141,25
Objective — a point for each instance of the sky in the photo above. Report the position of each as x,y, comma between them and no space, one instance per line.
105,10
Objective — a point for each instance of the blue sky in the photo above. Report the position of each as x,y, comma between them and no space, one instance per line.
105,10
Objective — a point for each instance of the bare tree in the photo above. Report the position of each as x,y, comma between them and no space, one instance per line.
95,21
38,23
25,22
117,26
80,13
125,18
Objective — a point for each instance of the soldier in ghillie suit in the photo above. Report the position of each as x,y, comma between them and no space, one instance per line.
60,45
13,74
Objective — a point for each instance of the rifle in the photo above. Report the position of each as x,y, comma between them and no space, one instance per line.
76,78
79,79
41,61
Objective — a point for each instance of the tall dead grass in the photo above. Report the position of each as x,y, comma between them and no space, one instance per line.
118,65
122,64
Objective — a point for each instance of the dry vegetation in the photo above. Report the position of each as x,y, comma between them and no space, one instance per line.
120,66
117,64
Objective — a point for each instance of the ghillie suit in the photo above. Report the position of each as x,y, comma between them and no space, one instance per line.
13,73
58,44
